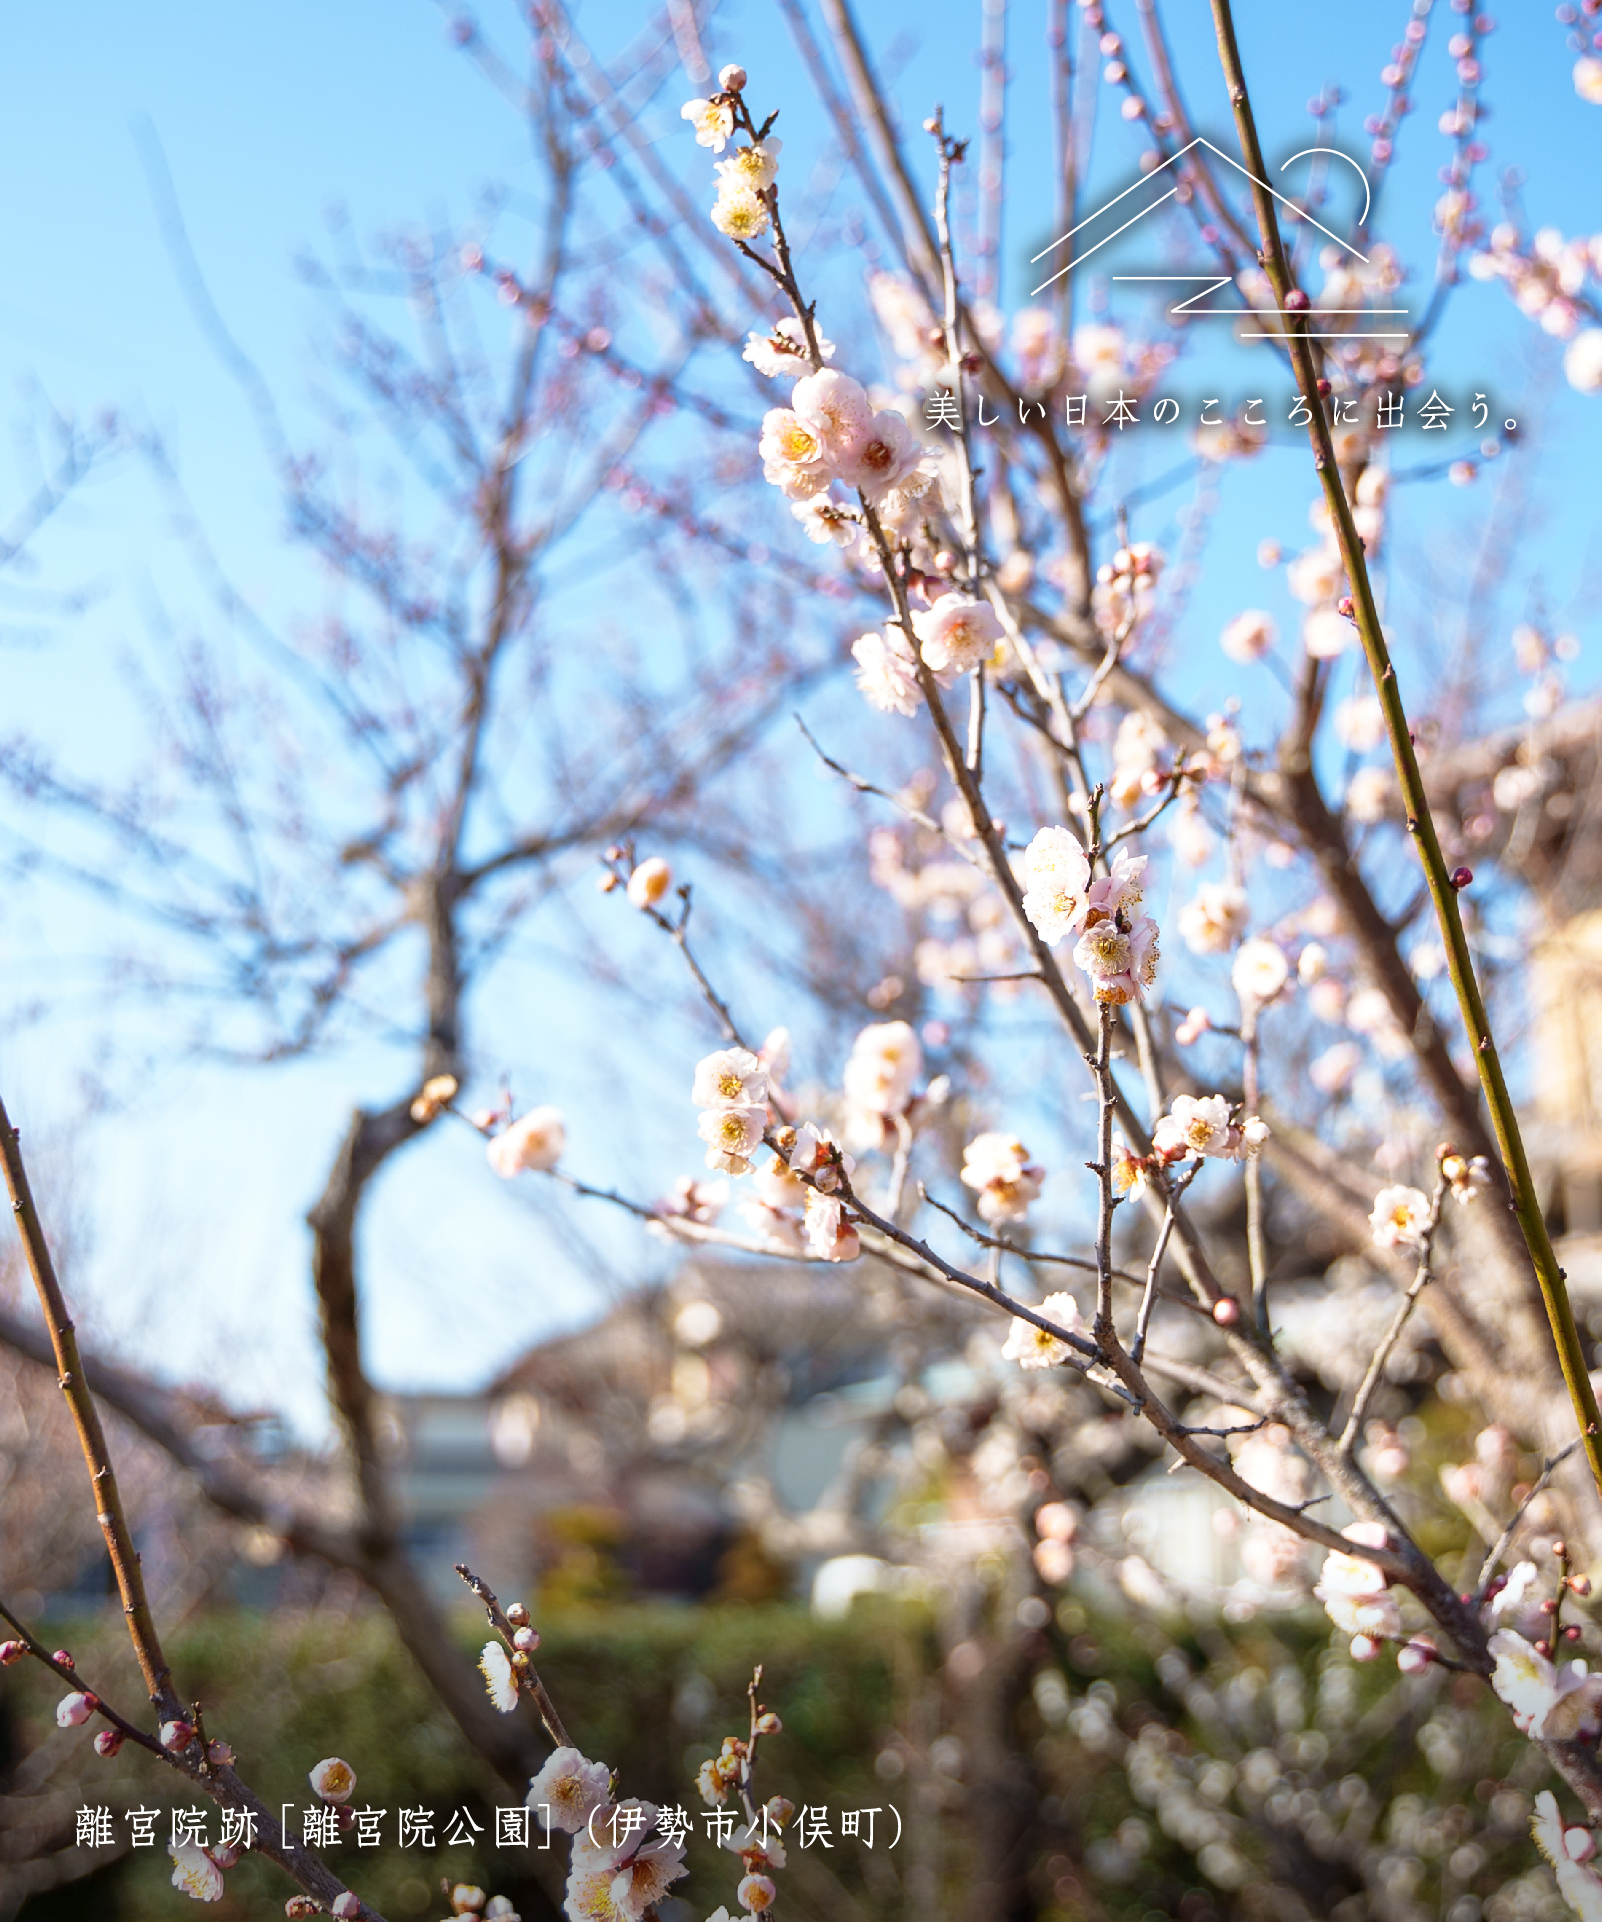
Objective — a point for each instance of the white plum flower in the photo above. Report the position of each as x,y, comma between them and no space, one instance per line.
713,121
1399,1217
1249,636
885,1061
887,676
792,454
571,1788
1215,920
1122,889
783,351
1057,898
741,213
732,1136
500,1678
998,1168
1260,971
1588,79
824,520
1121,966
1033,1347
958,632
829,1235
1467,1178
1333,1070
1356,1592
1326,633
835,407
729,1078
535,1142
195,1873
885,455
1197,1125
1568,1849
1582,359
814,1154
333,1780
755,167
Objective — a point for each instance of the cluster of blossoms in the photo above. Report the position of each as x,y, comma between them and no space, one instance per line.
742,210
1358,1597
727,1773
621,1864
831,432
1117,945
1400,1216
880,1074
1200,1125
998,1169
1546,276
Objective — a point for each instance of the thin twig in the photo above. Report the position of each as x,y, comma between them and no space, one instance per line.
1382,1354
528,1681
1504,1540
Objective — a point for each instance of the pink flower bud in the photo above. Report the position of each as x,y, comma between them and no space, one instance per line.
176,1736
769,1724
226,1855
1226,1311
1415,1657
1296,302
1364,1648
1461,877
1579,1845
731,79
526,1640
108,1741
62,1659
220,1754
517,1615
72,1711
346,1904
1581,1584
12,1652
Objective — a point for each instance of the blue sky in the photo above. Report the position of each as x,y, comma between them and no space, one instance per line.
268,118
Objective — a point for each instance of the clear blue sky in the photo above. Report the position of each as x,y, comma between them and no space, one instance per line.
270,116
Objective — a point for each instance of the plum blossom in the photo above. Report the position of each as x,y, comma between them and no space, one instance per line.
1582,360
756,1893
1568,1849
1121,966
1215,920
568,1790
535,1142
997,1167
1137,747
1333,1070
1399,1217
1193,1027
1588,79
958,632
835,408
1260,971
195,1873
829,1235
729,1078
713,121
791,451
1356,1592
741,213
755,167
887,676
1249,636
732,1136
815,1154
824,520
1467,1179
649,882
783,351
72,1711
1033,1347
1326,633
500,1678
885,1061
1200,1125
332,1780
1549,1702
1360,723
621,1881
1057,898
886,455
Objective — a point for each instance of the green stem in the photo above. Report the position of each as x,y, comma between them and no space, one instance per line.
1420,821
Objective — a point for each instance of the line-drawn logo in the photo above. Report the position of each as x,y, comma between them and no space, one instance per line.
1188,306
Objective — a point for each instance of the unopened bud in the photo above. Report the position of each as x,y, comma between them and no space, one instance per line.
176,1736
1571,1633
220,1754
108,1741
1226,1311
1461,877
526,1640
346,1905
12,1652
780,1809
607,883
1296,302
465,1899
1581,1584
614,852
732,79
1345,606
1560,1551
1324,390
62,1659
226,1854
517,1615
1543,1647
299,1905
768,1724
72,1711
